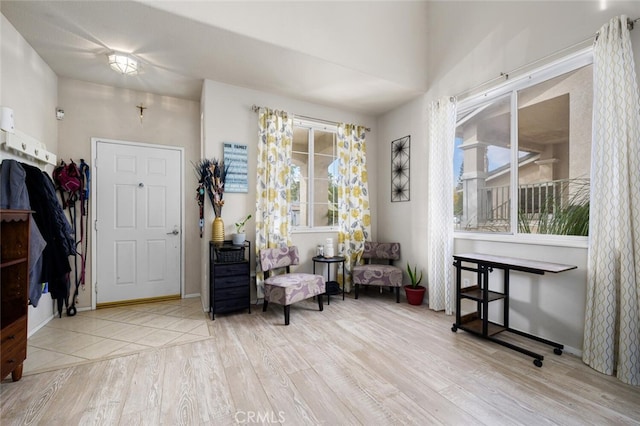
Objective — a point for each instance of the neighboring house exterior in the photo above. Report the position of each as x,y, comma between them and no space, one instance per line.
554,143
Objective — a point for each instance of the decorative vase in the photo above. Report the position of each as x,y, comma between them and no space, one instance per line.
415,296
218,230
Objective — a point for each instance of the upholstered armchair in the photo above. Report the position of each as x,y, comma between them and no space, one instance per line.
289,287
378,269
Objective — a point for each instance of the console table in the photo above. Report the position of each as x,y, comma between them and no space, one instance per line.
478,322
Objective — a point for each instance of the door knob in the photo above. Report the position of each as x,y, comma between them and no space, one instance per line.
174,232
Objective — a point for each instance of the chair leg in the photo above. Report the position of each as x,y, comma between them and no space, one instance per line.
357,288
320,303
286,314
264,305
397,294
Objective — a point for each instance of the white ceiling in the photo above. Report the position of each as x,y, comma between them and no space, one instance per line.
362,56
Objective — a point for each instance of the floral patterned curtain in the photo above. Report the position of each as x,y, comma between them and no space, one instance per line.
354,218
273,200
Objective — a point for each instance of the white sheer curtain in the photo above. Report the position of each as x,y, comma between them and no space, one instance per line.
612,323
440,144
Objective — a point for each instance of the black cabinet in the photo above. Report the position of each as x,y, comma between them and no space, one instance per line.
229,277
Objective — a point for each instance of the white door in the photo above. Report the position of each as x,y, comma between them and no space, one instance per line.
138,221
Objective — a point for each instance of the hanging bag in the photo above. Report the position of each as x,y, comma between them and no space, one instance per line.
67,179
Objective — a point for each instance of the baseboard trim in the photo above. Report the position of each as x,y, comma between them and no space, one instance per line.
137,301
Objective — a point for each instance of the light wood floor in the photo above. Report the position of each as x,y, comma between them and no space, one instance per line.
368,361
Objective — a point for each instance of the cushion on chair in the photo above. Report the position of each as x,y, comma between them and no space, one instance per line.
281,257
380,275
384,251
290,288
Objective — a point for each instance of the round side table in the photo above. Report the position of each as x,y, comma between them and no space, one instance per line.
329,260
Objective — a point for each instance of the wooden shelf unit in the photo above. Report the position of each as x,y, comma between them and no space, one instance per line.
14,291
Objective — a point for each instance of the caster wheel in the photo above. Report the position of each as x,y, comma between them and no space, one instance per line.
557,351
454,328
537,363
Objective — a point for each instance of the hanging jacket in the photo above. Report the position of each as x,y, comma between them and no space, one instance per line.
55,229
14,195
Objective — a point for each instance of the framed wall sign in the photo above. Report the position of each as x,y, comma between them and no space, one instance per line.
400,182
235,158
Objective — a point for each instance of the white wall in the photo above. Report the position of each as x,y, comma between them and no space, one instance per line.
228,118
29,86
404,222
94,110
473,42
377,38
470,43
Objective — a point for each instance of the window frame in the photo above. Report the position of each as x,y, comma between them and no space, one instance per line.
510,87
313,126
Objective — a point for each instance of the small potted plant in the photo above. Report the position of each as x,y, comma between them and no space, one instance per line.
239,237
415,292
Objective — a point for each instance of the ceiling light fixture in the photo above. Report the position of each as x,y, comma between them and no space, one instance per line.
123,63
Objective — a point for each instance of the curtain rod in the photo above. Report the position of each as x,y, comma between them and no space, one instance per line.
630,24
255,108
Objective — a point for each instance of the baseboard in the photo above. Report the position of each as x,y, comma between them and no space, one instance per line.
573,351
191,296
137,301
39,326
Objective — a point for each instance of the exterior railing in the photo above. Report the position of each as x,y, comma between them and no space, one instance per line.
534,200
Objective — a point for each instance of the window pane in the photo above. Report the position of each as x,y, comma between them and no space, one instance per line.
300,177
314,172
324,171
554,138
482,167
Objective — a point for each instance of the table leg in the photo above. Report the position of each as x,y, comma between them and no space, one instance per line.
344,280
505,315
457,264
485,300
328,280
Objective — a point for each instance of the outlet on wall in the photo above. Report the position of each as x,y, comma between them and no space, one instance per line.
466,282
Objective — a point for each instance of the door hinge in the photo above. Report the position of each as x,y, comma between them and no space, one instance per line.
95,225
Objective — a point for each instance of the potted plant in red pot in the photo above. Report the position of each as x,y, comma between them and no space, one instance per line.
415,292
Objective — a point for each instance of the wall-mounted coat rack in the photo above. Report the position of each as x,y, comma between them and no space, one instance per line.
25,145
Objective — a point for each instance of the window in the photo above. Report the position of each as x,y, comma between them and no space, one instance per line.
314,194
534,179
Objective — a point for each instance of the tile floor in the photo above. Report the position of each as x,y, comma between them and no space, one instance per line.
104,333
